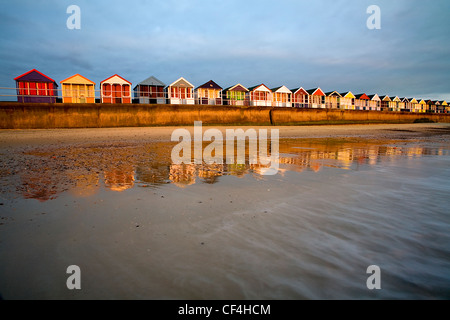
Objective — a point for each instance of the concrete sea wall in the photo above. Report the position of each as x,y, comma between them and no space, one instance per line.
15,115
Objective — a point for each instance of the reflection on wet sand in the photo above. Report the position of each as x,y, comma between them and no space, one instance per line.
82,170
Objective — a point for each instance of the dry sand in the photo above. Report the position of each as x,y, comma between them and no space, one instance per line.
56,136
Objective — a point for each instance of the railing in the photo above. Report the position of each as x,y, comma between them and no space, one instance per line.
146,97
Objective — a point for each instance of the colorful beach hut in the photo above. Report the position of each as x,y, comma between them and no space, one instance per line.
209,93
180,92
385,103
281,97
332,100
395,104
347,100
78,89
362,101
423,106
260,96
115,89
316,98
444,106
35,87
300,98
415,107
235,95
375,102
151,90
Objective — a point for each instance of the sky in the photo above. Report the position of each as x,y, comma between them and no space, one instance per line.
296,43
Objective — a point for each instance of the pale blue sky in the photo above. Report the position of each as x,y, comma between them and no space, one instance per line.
288,42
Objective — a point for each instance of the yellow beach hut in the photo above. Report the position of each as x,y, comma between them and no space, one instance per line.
78,89
347,100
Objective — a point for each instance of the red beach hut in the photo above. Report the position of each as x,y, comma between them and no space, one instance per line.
36,87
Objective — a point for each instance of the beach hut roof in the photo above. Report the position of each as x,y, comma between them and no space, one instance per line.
210,85
34,75
282,89
264,88
315,92
115,76
332,93
237,87
299,89
152,81
362,96
348,94
374,97
182,82
73,78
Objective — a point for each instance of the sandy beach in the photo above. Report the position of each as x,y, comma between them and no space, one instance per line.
139,227
375,131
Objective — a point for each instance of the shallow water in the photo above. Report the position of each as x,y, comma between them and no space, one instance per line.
141,227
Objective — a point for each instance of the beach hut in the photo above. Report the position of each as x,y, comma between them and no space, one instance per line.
375,102
362,101
414,104
431,106
385,103
281,97
332,100
35,87
115,89
151,90
235,95
316,98
180,92
78,89
300,98
444,106
260,96
422,106
407,106
209,93
347,100
395,104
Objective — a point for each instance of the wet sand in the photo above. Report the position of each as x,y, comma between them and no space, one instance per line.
309,232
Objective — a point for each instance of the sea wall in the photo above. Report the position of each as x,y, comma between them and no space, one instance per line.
15,115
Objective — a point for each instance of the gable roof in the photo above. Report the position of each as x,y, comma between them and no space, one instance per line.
332,93
254,88
362,96
34,75
182,82
348,94
152,81
76,76
116,75
282,89
237,87
312,92
374,97
299,89
210,85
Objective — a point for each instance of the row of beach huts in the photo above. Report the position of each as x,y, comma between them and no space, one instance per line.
34,86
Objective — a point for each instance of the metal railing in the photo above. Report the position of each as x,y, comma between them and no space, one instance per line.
150,97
